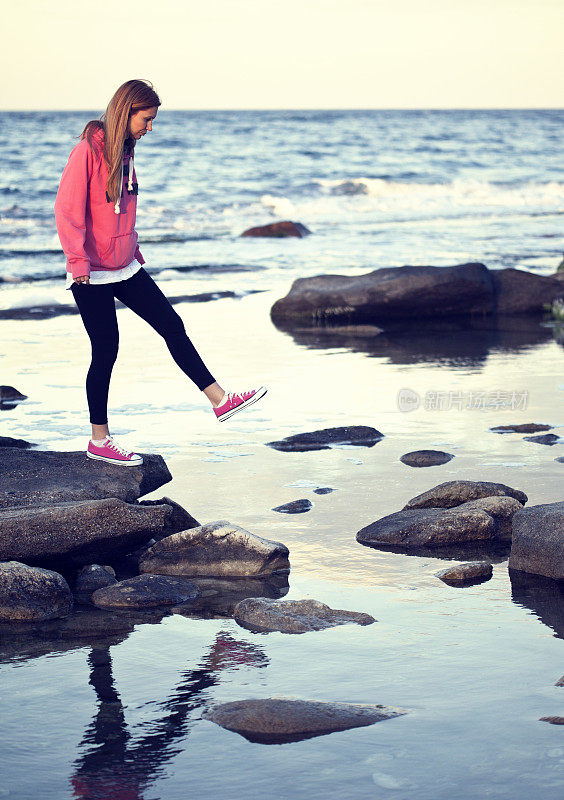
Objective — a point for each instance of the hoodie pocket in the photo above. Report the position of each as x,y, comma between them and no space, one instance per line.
120,251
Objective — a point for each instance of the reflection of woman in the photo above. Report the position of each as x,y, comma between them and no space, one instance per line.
95,214
115,766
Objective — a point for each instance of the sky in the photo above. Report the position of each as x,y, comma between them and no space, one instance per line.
205,54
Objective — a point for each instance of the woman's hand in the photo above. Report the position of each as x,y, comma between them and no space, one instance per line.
82,279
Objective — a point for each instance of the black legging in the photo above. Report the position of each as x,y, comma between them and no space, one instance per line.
141,294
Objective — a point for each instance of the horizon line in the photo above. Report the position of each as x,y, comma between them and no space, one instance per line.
324,108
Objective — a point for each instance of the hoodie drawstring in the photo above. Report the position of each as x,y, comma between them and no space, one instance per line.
129,183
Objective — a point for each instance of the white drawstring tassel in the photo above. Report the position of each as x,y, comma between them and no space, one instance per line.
130,179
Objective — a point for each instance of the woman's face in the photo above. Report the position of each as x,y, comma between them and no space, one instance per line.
141,121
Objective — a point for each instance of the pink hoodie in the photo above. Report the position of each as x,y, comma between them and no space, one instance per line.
95,234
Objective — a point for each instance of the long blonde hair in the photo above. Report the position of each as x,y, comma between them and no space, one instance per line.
132,96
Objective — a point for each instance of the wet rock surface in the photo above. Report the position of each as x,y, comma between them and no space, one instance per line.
278,230
41,477
279,720
538,540
295,507
525,427
77,533
466,574
91,578
454,493
145,591
426,458
359,435
30,594
293,616
548,439
218,549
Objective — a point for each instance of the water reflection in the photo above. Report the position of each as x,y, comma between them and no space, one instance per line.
115,764
457,344
543,596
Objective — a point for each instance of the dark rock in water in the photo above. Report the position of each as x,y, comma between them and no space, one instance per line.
293,616
560,681
278,230
145,591
219,596
552,720
465,574
560,459
425,458
454,493
76,533
91,578
295,507
10,395
178,519
360,435
7,441
29,594
41,477
279,720
388,294
548,439
323,490
526,427
517,291
538,540
405,293
218,549
428,527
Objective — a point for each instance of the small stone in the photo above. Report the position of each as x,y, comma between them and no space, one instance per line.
145,591
548,439
295,507
91,578
425,458
359,435
463,574
31,594
560,681
526,427
323,490
293,616
278,230
277,720
553,720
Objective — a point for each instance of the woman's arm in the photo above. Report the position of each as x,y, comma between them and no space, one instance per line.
70,208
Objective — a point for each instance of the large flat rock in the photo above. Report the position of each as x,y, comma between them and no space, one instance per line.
41,477
145,591
218,549
77,533
278,720
293,616
358,435
538,540
454,493
428,527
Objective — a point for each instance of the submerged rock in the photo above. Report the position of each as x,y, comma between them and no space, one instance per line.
77,533
359,435
552,720
323,490
278,720
219,596
538,540
425,458
145,591
293,616
217,549
548,439
525,427
464,574
295,507
91,578
454,493
278,230
41,477
31,594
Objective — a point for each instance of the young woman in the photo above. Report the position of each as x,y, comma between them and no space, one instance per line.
95,214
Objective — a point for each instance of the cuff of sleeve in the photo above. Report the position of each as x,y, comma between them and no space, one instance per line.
80,268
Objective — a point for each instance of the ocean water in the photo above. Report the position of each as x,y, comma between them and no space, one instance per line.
107,706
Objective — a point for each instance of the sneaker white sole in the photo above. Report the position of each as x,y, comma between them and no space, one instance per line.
257,396
115,460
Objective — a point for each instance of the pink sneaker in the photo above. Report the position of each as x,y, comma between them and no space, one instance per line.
236,402
111,452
